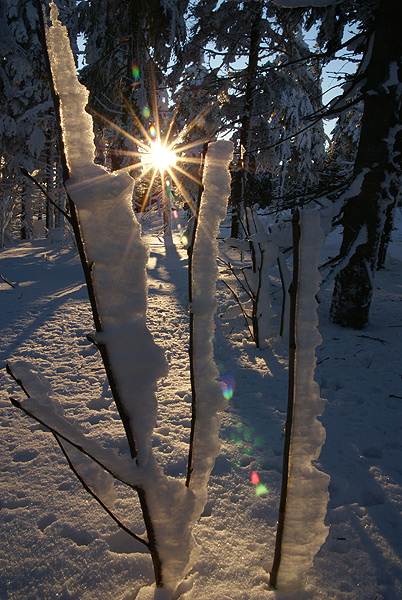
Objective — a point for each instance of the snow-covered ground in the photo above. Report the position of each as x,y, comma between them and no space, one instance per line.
56,543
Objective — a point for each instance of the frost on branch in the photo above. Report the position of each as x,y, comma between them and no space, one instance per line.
113,247
114,259
304,498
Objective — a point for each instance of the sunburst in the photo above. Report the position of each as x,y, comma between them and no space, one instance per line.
162,155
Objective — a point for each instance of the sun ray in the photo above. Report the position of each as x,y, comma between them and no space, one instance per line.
182,189
137,121
162,154
125,133
189,175
148,193
198,143
197,120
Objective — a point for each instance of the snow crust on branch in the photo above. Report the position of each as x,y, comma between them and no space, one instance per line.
210,399
113,246
307,495
304,3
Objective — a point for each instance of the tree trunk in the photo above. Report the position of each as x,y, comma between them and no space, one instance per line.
240,178
379,143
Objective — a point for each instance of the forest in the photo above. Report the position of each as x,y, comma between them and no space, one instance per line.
222,180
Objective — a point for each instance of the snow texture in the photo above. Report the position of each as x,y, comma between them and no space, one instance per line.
210,400
56,542
113,246
307,496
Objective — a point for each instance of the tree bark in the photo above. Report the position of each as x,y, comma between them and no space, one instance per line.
377,157
240,174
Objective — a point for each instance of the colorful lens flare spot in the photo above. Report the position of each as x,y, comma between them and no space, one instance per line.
146,112
175,214
227,386
152,131
254,478
136,73
260,488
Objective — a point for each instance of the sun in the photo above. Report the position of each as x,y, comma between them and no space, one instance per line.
160,157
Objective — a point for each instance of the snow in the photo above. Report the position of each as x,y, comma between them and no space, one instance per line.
57,543
307,487
209,397
113,246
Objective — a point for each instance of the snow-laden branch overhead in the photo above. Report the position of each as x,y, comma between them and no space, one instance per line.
305,3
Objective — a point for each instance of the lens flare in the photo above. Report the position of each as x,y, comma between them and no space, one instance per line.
254,478
152,131
261,490
175,214
160,157
136,73
227,385
146,112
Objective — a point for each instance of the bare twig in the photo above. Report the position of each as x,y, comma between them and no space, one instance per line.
13,285
44,192
96,497
191,328
245,315
18,404
372,338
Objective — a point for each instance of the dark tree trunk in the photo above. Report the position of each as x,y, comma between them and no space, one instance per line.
379,142
240,178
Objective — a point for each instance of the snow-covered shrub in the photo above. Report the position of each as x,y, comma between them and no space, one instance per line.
114,258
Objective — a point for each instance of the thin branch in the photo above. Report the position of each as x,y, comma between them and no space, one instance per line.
293,292
245,315
18,404
48,197
247,290
7,282
96,497
191,325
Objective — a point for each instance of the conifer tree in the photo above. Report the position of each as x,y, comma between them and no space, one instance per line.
26,121
265,87
128,46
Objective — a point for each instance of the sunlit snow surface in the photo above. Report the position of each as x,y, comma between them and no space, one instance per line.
55,542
